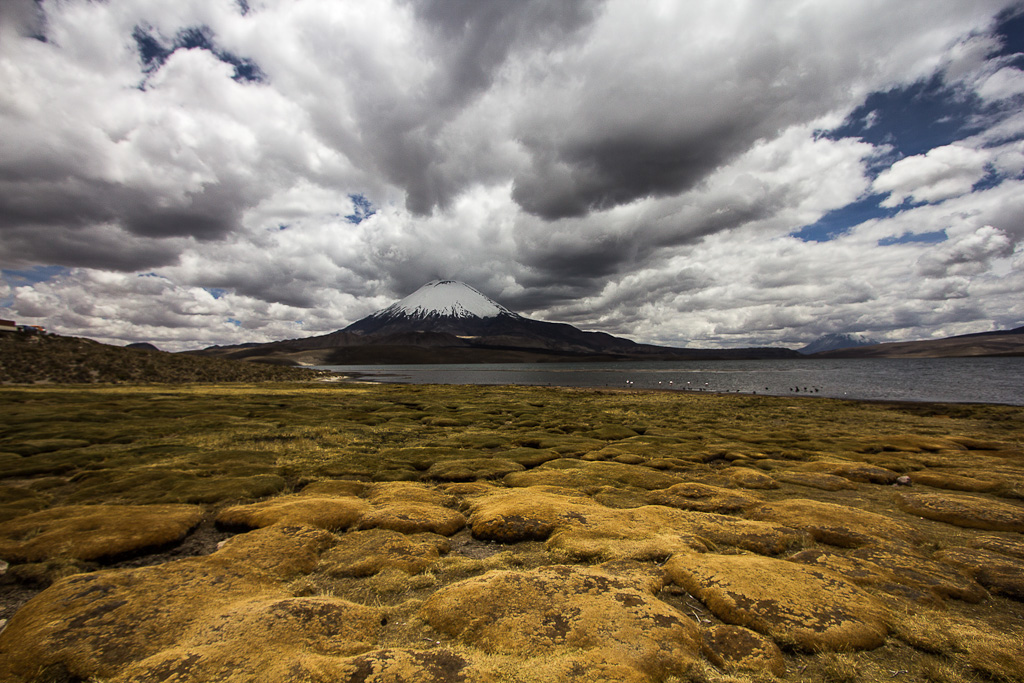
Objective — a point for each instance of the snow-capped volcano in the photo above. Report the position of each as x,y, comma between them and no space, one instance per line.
446,298
831,342
446,321
452,310
445,306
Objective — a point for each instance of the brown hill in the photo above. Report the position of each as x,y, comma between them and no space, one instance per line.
1002,343
35,359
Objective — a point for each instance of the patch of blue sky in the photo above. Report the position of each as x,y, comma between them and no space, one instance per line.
362,208
914,119
1010,29
216,292
930,112
934,237
991,178
155,53
33,275
839,221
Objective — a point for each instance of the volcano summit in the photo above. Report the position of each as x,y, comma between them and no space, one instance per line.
439,306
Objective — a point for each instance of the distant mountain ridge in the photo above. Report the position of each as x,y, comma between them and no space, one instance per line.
831,342
447,321
995,343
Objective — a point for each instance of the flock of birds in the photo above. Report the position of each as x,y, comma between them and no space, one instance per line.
707,387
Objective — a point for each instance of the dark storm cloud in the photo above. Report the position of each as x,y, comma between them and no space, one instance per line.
606,170
26,17
586,252
478,35
100,247
472,39
631,134
81,202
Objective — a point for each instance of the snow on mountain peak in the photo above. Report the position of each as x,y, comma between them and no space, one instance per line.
446,298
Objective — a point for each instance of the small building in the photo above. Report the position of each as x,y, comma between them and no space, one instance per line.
8,326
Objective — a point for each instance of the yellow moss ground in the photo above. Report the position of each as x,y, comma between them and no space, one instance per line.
389,533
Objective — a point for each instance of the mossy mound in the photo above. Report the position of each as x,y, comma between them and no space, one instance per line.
913,568
364,553
747,478
854,471
334,487
529,457
273,638
964,511
280,552
590,476
612,433
703,498
404,507
815,480
998,544
642,542
764,538
407,492
89,532
585,529
908,443
735,647
839,525
16,501
396,665
35,446
334,512
795,605
472,469
902,573
414,518
563,444
566,609
98,624
176,486
1001,574
954,481
625,458
530,514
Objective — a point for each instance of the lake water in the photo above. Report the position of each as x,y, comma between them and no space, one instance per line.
949,380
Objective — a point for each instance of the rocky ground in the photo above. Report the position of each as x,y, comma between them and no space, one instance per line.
364,533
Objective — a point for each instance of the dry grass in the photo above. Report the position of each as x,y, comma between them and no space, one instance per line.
966,647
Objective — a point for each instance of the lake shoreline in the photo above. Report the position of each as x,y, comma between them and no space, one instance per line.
986,380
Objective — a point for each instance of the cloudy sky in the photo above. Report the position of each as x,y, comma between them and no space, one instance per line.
704,173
